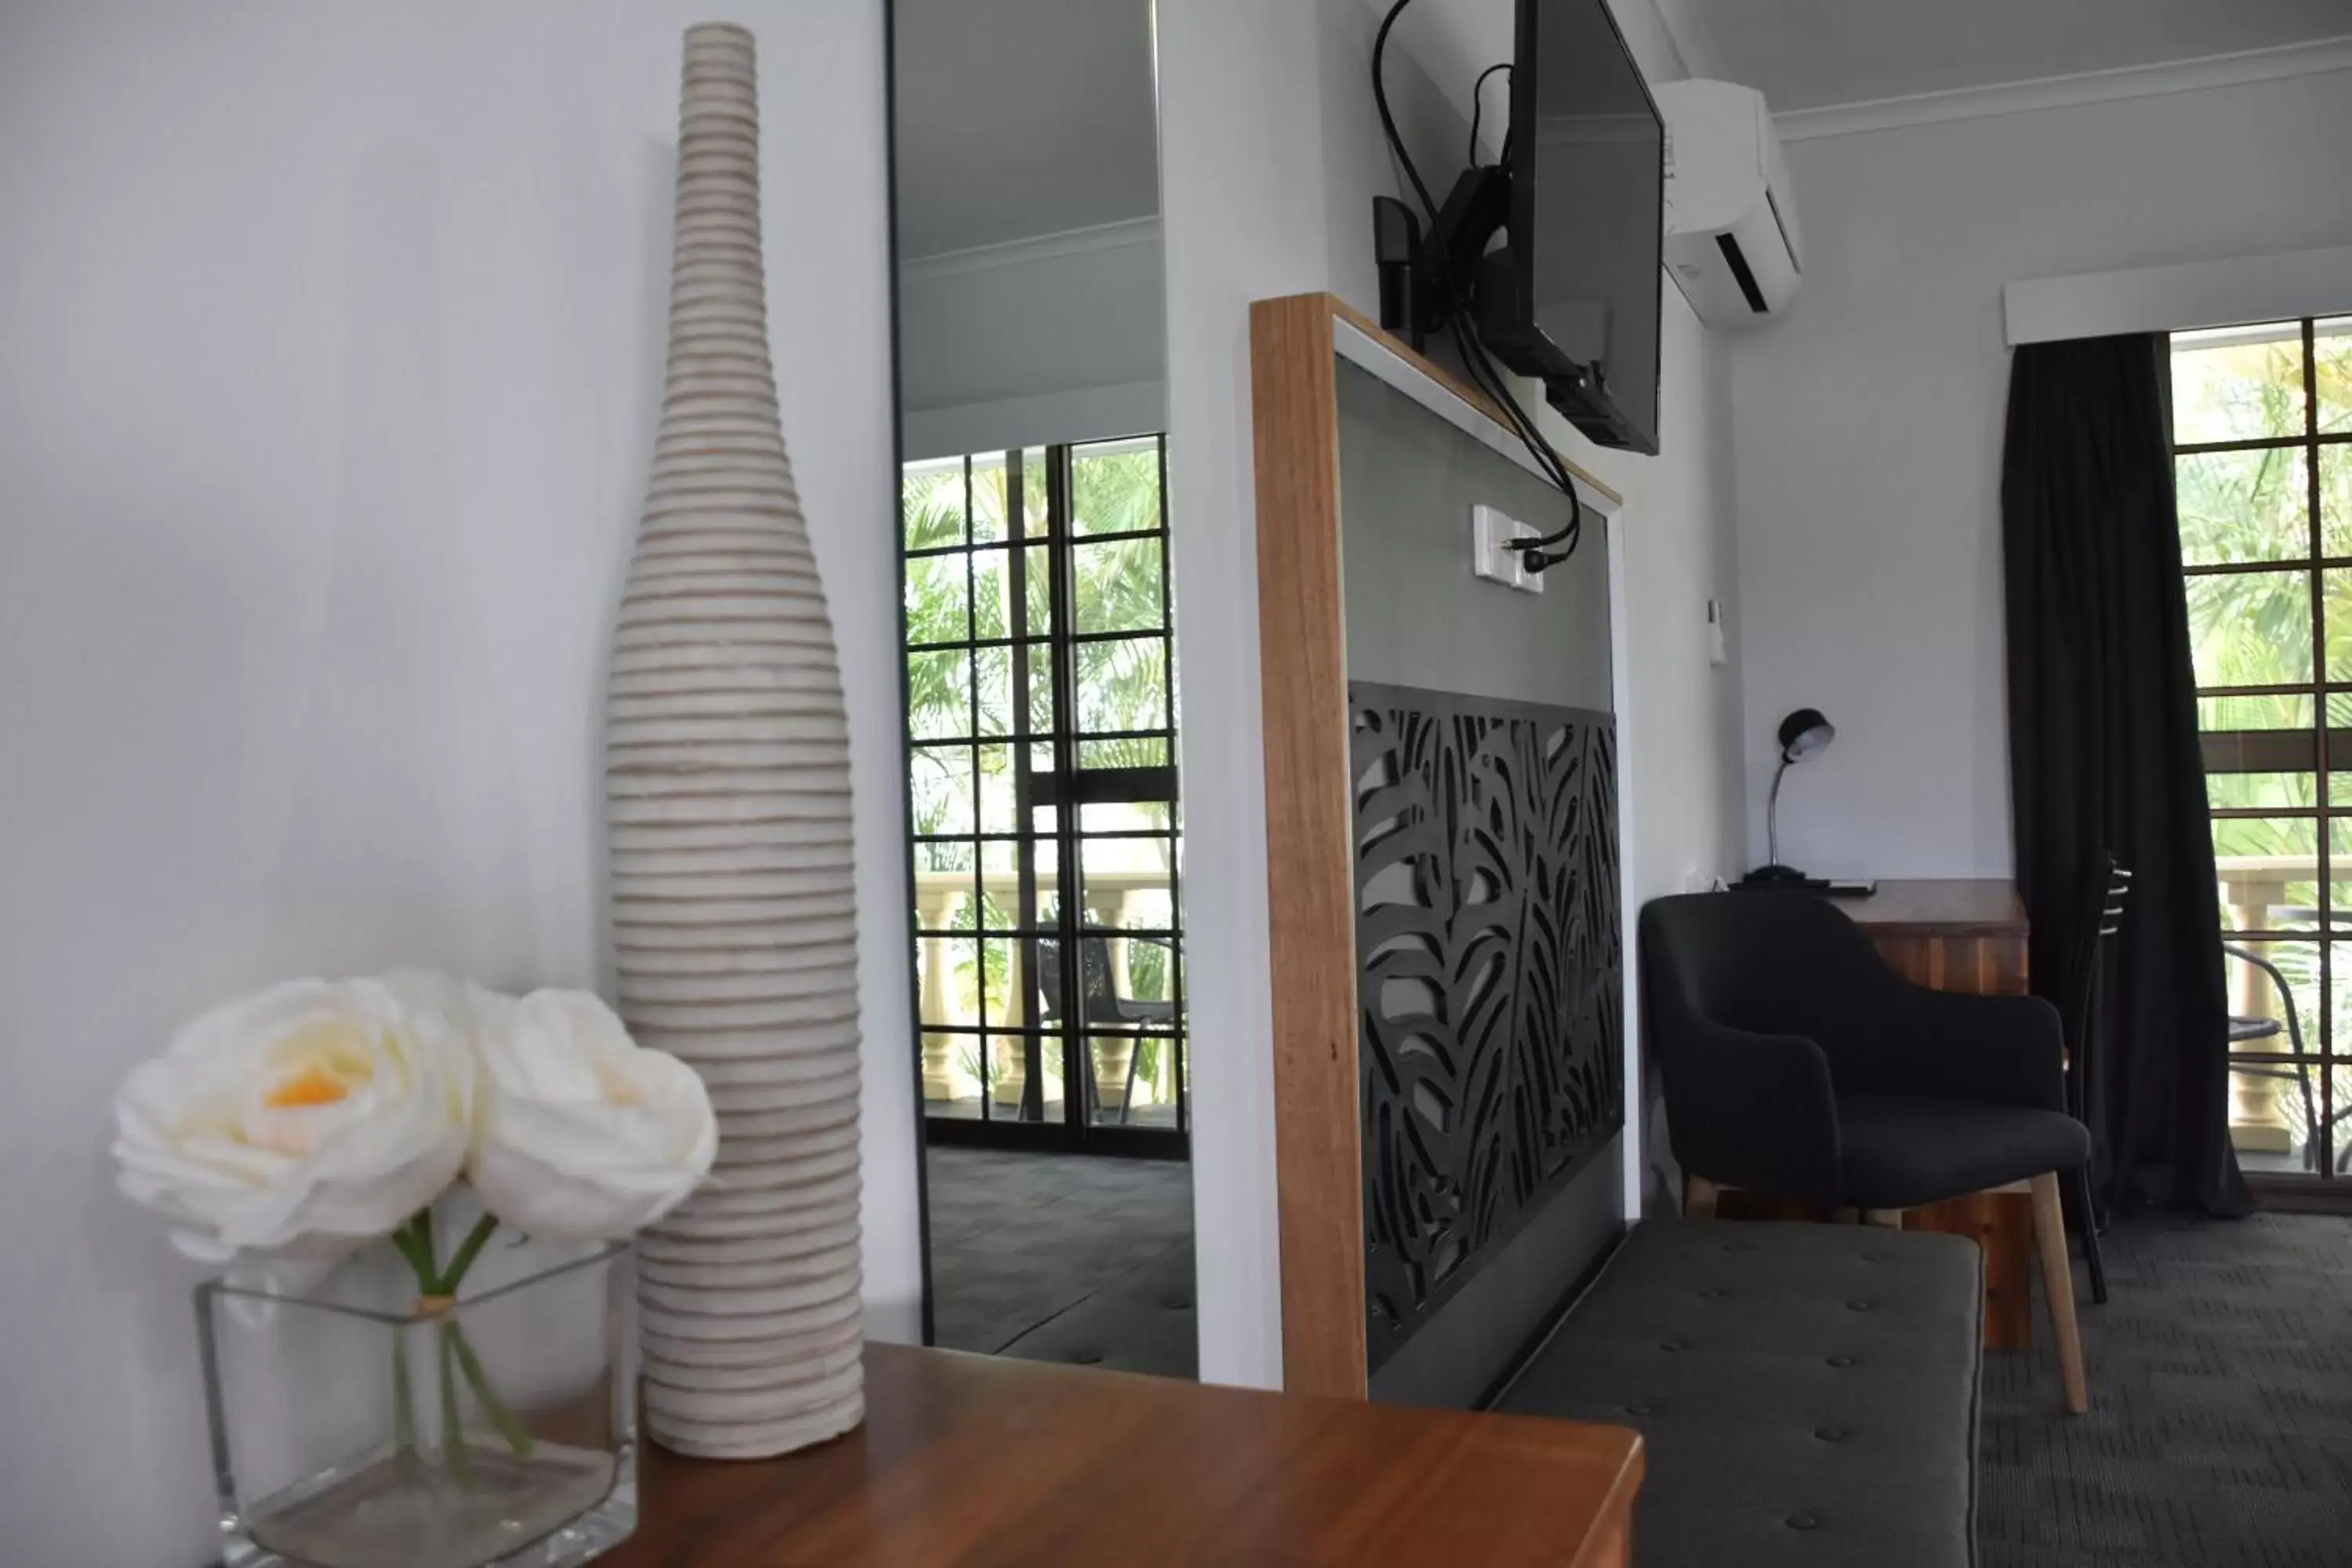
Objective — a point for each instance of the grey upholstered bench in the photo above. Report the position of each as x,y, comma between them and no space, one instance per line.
1141,1322
1807,1392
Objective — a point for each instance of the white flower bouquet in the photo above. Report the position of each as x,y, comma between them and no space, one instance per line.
285,1135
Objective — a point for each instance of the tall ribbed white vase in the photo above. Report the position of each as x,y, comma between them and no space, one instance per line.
726,790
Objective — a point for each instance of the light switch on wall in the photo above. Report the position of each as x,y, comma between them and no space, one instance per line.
1719,651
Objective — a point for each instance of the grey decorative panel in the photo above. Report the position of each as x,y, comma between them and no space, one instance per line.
1489,984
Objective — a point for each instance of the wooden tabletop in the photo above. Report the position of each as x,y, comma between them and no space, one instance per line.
1988,907
983,1460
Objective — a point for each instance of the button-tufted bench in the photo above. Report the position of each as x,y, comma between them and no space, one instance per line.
1142,1322
1808,1393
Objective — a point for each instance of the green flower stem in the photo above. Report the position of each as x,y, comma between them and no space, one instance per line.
403,1401
467,1250
517,1434
421,1263
415,1243
453,1432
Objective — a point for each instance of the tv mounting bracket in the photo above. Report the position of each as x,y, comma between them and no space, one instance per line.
1424,282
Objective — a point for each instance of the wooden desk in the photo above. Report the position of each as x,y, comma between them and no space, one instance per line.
983,1460
1964,936
1968,937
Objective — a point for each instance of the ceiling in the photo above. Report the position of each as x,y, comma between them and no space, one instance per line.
1809,54
1019,118
1806,54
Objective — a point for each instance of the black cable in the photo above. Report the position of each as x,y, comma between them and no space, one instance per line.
1478,107
1534,554
1482,372
1489,378
1388,120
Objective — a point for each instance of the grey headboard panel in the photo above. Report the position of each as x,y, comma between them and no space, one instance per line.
1489,950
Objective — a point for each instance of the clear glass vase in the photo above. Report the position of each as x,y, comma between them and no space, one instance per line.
357,1430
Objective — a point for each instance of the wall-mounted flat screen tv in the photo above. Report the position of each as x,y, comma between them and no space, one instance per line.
1573,298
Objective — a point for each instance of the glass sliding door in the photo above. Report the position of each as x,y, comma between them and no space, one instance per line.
1121,785
1042,788
2262,478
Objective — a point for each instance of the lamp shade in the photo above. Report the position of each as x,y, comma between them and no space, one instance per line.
1804,732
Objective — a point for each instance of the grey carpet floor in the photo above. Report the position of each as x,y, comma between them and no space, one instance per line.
2221,1427
1021,1240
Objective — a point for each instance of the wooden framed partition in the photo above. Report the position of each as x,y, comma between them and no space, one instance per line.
1295,344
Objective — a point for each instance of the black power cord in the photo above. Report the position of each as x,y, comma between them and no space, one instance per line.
1535,554
1388,120
1478,107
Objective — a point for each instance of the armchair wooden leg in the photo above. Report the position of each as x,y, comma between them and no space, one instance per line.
1698,1197
2058,1287
1890,1218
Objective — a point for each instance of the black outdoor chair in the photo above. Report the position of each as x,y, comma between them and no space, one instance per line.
1797,1064
2318,1128
1103,1005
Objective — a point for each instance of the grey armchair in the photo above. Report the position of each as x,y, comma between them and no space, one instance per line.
1797,1064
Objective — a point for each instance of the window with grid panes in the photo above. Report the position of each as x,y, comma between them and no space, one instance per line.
1042,790
2262,477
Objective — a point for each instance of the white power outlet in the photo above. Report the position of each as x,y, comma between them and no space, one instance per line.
1488,557
1492,557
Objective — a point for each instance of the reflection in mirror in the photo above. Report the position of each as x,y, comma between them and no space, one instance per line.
1048,961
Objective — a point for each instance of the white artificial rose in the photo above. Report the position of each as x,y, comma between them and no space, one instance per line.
286,1131
580,1133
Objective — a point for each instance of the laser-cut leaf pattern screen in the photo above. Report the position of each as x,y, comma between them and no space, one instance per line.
1490,986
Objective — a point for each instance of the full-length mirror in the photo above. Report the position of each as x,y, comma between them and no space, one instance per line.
1048,954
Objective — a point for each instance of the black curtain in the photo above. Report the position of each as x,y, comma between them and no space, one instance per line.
2103,758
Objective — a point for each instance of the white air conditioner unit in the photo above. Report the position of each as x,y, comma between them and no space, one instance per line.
1731,237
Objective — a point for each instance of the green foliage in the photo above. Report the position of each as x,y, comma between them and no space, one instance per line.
1147,971
1115,489
996,960
930,505
2255,628
1117,586
2242,506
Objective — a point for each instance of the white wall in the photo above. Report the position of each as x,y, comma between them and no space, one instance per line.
1057,338
331,349
1868,426
1240,189
1682,712
1270,155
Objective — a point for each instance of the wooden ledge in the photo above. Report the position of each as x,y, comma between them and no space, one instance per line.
1477,401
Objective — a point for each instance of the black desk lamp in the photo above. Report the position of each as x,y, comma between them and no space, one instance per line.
1803,733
